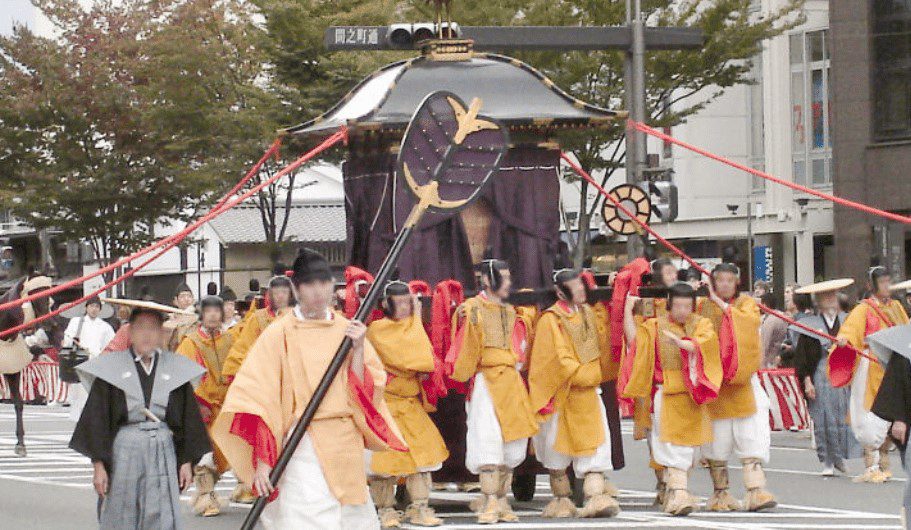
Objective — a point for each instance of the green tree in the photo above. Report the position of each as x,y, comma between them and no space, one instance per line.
135,113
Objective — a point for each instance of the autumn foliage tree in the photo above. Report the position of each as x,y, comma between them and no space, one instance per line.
134,113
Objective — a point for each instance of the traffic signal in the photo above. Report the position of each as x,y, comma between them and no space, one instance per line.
406,36
664,199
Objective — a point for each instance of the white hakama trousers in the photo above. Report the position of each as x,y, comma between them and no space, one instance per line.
552,459
869,429
484,445
665,453
305,502
748,437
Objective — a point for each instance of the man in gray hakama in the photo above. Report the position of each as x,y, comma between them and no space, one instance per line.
141,428
828,405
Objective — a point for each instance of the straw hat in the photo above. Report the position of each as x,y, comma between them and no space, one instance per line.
145,304
825,287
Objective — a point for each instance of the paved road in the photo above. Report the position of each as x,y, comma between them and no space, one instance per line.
51,489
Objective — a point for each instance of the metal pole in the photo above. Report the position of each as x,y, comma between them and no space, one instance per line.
750,243
635,91
198,270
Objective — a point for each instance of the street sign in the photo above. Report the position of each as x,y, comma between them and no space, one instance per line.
496,38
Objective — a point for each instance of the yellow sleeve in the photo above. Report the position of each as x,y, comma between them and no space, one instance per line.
402,348
549,367
609,367
643,371
469,355
707,340
900,311
241,347
855,326
188,349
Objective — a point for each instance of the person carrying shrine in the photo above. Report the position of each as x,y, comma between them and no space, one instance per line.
740,415
663,273
325,483
564,379
180,325
141,427
828,405
489,349
676,362
405,350
208,346
279,299
877,312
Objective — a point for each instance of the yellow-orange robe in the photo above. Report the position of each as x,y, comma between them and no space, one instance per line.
689,381
249,332
489,340
176,328
407,354
565,373
273,387
741,354
642,407
866,318
209,352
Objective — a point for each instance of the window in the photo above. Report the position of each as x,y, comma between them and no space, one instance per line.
892,69
811,112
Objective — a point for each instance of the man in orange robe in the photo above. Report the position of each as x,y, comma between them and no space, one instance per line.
675,361
208,346
325,483
565,375
489,349
279,300
879,311
407,355
740,415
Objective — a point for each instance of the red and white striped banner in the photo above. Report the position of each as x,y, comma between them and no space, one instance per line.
788,409
39,379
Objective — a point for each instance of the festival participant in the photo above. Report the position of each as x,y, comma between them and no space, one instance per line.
893,405
208,346
325,483
231,317
665,274
92,334
489,349
280,298
564,381
180,325
740,415
141,427
676,360
877,312
828,405
407,355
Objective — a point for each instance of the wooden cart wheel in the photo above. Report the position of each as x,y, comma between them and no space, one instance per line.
634,199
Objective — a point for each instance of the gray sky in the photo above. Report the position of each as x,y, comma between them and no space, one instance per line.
20,11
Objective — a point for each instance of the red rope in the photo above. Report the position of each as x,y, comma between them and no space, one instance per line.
172,241
138,254
838,200
673,248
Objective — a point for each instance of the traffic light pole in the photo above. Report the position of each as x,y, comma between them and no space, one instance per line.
636,103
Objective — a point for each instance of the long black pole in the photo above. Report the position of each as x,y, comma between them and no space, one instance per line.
335,366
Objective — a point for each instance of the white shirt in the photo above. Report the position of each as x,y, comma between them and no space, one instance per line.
95,334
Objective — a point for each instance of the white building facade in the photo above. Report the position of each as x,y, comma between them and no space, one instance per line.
779,125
